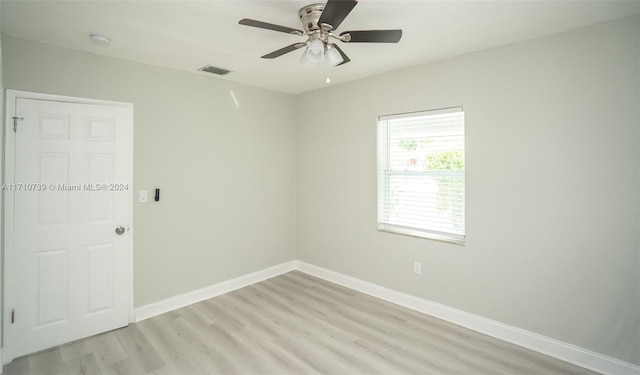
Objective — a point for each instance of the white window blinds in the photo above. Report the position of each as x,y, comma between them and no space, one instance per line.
421,174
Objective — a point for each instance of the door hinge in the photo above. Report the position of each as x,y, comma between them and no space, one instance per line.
13,316
15,122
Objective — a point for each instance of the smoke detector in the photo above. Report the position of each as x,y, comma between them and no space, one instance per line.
99,39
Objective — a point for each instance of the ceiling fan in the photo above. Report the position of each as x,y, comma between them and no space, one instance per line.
319,22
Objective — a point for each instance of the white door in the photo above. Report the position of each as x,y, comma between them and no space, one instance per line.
71,190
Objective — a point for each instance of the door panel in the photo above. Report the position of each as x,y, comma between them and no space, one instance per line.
52,285
52,206
70,267
99,170
99,278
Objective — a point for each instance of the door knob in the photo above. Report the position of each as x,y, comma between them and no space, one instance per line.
119,230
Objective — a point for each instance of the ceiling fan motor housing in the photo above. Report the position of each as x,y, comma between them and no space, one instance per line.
309,17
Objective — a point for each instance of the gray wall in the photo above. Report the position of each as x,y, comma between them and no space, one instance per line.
226,171
552,140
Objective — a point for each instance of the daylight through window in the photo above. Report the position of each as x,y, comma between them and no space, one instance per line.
421,174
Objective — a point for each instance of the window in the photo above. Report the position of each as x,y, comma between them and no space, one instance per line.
421,174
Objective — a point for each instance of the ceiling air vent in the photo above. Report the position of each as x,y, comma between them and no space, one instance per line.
214,70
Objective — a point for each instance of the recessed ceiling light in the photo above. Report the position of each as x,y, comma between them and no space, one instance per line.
100,39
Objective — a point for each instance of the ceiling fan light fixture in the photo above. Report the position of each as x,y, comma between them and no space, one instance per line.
333,56
304,60
315,51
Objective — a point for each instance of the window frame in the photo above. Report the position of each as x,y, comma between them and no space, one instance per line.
384,170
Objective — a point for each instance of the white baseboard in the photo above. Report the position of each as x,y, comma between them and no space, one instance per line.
173,303
551,347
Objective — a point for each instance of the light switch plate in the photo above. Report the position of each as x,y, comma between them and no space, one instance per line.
143,196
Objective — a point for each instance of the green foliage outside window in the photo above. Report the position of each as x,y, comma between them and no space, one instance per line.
413,144
445,161
450,187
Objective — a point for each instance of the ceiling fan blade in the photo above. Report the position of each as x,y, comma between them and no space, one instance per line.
335,11
345,58
284,50
269,26
373,36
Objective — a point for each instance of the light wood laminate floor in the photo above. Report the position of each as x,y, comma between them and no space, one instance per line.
291,324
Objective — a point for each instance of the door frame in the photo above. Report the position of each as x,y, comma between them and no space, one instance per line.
8,203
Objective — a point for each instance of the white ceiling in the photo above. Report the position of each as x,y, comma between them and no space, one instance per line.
187,35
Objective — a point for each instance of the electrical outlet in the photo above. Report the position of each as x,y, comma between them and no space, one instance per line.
417,268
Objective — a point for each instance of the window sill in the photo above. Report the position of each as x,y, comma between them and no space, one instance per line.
441,237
